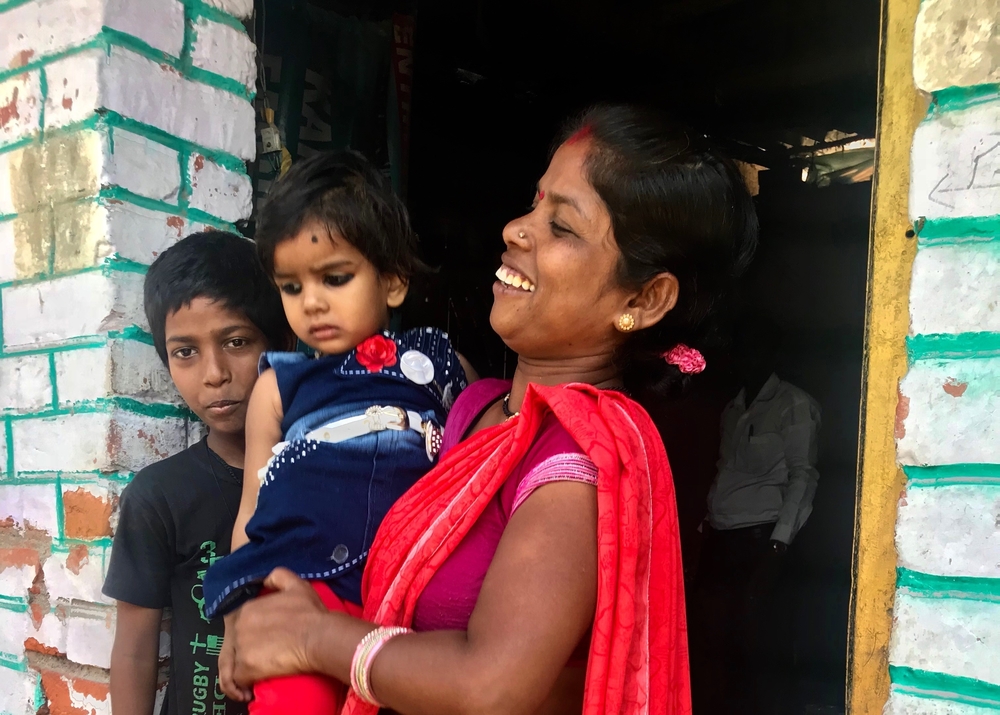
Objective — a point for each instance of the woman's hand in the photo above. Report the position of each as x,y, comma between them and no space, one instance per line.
270,636
227,664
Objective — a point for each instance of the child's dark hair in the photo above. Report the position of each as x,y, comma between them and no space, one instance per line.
343,191
677,205
222,267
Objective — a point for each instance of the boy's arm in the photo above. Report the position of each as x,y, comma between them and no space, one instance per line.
135,659
264,415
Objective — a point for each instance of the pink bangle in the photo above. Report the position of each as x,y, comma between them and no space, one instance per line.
364,658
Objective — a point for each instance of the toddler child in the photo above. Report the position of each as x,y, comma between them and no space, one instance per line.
336,437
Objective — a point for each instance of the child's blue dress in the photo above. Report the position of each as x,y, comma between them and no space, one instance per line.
359,430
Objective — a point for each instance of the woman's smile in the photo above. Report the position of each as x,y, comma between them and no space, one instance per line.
517,282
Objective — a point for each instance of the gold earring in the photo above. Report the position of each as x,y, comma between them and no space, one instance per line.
626,323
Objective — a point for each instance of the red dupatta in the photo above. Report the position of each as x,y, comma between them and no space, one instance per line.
638,661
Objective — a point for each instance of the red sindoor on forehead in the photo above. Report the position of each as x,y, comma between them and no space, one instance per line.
580,134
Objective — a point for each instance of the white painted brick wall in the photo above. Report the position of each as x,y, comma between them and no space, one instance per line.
225,50
15,627
24,383
239,8
143,167
65,583
6,198
955,43
141,89
901,704
45,27
37,314
954,412
955,636
30,506
8,251
219,191
956,164
956,289
140,234
964,523
22,96
73,172
123,367
17,692
118,441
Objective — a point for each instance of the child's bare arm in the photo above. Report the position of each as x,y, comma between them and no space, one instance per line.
264,415
135,659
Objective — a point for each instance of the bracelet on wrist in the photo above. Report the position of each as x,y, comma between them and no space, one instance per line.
364,658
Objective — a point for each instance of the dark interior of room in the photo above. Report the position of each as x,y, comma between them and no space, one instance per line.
492,82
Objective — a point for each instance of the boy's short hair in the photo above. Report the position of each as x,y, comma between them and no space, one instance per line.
220,266
343,191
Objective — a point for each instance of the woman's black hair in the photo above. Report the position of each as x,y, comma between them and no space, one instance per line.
344,192
677,205
219,266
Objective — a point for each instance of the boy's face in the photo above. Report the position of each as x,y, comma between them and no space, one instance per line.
334,298
212,354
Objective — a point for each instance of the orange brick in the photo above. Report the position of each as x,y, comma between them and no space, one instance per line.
87,516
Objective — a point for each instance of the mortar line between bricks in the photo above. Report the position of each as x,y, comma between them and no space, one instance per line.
11,4
43,91
60,514
963,588
202,9
944,686
952,346
8,435
953,99
961,229
947,475
52,380
104,405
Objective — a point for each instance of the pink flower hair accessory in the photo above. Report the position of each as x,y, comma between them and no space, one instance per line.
688,360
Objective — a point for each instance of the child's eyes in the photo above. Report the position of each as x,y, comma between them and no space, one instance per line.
238,343
290,288
338,279
182,353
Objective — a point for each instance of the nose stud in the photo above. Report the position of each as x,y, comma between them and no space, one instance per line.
521,234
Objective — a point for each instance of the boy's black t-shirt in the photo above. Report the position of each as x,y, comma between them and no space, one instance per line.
176,518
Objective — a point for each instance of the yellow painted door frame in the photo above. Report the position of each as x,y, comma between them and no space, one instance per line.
890,260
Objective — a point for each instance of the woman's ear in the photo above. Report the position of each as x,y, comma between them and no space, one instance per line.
654,300
397,288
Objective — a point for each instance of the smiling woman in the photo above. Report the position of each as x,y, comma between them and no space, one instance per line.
537,568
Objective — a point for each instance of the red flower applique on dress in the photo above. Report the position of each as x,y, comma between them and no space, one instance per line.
376,352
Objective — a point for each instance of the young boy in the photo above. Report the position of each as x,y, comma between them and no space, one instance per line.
212,311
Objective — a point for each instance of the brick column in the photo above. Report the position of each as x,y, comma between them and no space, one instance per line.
945,654
124,125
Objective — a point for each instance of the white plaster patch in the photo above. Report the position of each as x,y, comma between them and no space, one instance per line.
36,29
160,23
17,691
115,442
954,412
902,704
51,633
10,161
8,251
14,629
947,635
225,50
79,579
143,167
30,506
15,581
90,634
73,306
140,234
20,106
956,289
238,8
956,164
956,44
965,522
24,383
219,191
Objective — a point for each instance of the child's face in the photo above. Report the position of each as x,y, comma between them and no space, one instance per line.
212,353
334,297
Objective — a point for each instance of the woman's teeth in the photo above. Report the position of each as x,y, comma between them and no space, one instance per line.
514,280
